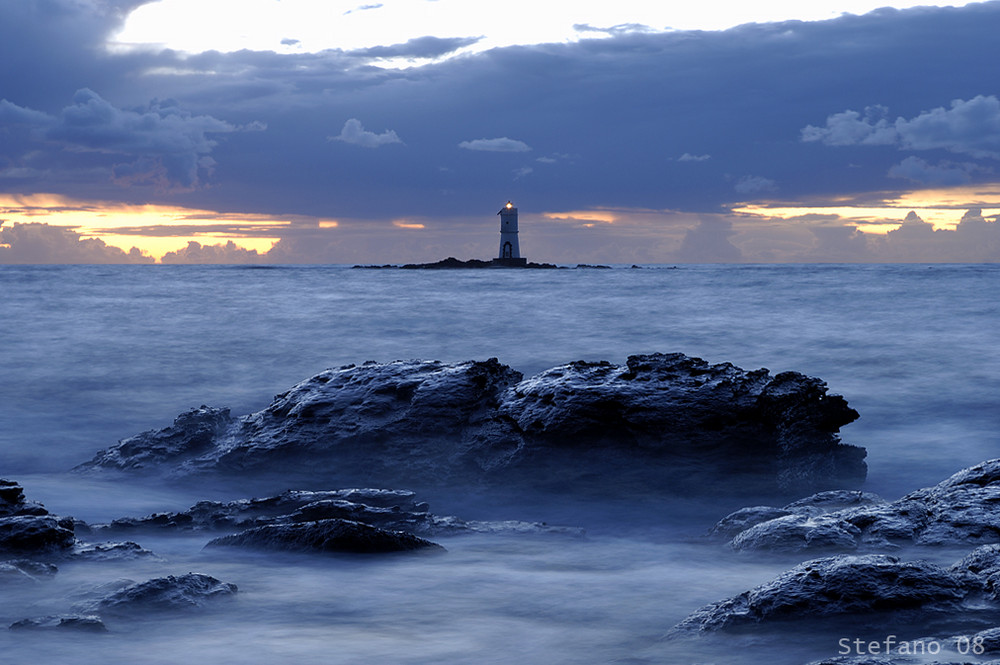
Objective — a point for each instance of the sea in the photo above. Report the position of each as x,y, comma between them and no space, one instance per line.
93,354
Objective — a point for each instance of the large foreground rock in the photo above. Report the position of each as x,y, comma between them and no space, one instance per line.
961,510
661,421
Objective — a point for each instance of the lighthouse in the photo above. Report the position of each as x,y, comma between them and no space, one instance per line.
510,252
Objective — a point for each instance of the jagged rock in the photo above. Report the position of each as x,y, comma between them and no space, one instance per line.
19,571
840,585
181,592
34,534
12,501
835,500
374,506
325,536
192,433
87,623
959,510
659,422
984,562
744,518
126,551
799,533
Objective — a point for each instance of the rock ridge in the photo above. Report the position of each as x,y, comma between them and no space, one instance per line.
657,422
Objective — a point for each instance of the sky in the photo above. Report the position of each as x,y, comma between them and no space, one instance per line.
320,131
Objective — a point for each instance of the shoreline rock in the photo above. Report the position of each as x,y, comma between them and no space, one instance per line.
661,422
960,510
858,586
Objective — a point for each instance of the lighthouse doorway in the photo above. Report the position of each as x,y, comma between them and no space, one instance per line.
508,251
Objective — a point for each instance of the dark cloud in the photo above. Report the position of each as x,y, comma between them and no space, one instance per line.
624,107
36,243
167,145
942,174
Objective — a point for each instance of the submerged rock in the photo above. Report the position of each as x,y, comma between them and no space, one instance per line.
125,551
395,510
182,592
22,571
840,585
957,511
325,536
86,623
659,422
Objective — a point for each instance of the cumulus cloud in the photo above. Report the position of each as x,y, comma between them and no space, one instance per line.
851,128
502,144
355,134
944,173
229,253
755,184
970,127
42,243
708,242
168,146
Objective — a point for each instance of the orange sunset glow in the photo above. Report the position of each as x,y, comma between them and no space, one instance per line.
153,229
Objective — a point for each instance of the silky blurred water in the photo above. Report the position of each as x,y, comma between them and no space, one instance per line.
92,354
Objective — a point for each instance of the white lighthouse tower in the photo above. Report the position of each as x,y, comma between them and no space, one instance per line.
510,252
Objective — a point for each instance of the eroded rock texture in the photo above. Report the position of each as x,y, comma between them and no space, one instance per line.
960,510
660,422
840,586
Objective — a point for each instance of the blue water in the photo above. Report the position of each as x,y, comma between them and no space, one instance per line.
92,354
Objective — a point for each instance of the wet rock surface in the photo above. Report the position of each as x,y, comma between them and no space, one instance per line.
85,623
325,536
960,510
397,510
841,585
161,594
658,418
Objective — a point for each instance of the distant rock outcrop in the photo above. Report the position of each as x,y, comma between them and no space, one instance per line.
325,536
960,510
394,510
84,623
661,422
